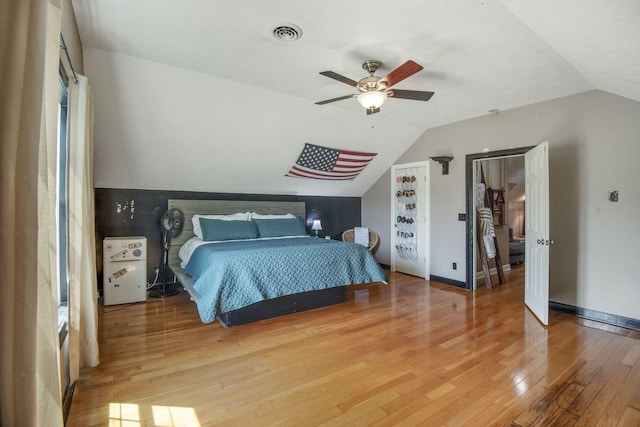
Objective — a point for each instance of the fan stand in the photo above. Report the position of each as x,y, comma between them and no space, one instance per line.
164,292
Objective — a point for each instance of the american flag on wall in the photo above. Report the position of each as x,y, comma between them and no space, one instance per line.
328,163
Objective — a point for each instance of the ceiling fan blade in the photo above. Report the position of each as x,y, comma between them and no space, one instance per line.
340,98
407,69
339,77
372,111
411,94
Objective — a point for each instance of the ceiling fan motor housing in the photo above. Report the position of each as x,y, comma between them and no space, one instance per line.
369,83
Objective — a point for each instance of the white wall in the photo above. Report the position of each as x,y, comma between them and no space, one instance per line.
161,127
594,147
69,30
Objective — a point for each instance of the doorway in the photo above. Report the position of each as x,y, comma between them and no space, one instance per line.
471,161
502,181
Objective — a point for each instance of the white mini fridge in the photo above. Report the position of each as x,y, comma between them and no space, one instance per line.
124,269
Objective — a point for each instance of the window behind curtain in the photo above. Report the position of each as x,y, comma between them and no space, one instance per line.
61,228
61,211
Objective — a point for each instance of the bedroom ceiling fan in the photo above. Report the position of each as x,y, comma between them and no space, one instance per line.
374,91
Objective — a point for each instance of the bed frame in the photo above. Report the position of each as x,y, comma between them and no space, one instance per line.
264,309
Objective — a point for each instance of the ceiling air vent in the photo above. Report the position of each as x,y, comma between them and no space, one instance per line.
287,32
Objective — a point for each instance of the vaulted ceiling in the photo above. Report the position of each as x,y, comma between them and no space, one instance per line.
477,56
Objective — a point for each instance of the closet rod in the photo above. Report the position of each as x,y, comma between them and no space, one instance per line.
66,51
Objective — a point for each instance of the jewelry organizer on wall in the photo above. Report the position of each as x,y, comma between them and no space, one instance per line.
406,214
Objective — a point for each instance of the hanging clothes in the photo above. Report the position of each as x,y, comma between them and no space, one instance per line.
488,231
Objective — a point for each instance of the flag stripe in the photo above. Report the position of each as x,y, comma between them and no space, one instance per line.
311,174
355,153
308,171
357,159
296,174
293,175
350,165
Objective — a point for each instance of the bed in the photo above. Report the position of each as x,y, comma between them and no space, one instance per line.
255,277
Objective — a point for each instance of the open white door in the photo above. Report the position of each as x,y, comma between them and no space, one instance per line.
537,240
409,226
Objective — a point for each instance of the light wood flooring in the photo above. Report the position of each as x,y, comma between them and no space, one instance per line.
407,353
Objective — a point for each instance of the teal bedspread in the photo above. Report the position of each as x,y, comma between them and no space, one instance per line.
232,275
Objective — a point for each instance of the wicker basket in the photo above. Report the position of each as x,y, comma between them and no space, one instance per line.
374,239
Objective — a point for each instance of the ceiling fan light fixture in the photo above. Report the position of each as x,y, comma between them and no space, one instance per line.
372,99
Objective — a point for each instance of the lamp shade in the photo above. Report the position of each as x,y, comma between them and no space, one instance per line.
317,225
372,99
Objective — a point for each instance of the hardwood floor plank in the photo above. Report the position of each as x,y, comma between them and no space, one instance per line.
630,417
632,357
602,384
375,391
411,352
514,408
625,393
596,409
548,406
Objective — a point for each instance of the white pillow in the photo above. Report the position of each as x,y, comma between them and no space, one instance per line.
255,215
195,220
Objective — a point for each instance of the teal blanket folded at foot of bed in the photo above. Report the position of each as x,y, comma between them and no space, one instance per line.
232,275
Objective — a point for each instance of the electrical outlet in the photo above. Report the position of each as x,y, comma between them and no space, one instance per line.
455,265
156,268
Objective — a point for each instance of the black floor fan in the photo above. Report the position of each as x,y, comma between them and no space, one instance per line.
170,225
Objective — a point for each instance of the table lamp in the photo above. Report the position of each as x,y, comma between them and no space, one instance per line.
316,226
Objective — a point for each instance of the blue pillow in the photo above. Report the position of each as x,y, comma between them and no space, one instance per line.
280,227
217,229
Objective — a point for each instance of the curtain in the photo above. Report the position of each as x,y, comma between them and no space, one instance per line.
83,298
29,347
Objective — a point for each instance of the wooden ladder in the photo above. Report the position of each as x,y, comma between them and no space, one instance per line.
483,251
